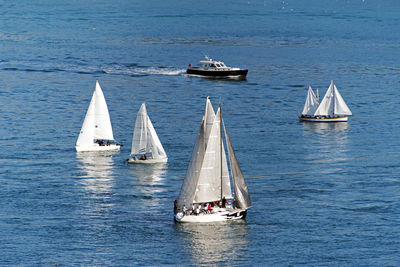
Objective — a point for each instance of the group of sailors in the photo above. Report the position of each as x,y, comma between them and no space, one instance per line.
101,142
200,208
318,116
140,157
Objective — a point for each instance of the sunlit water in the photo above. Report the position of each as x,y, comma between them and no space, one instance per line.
323,194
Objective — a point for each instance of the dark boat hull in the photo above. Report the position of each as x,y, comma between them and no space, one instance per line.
217,73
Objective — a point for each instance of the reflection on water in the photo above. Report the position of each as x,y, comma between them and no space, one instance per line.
150,177
98,171
216,243
326,142
149,183
323,127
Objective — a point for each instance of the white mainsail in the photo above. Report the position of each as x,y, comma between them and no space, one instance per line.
325,108
97,123
145,139
311,104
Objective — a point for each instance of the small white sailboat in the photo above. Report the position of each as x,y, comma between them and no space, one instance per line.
96,133
146,146
332,108
206,188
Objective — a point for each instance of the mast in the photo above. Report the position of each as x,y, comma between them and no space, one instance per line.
220,143
334,100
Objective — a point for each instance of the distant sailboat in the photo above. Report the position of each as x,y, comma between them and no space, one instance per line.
146,146
207,186
96,128
331,109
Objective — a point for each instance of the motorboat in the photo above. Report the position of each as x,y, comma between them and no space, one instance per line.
213,68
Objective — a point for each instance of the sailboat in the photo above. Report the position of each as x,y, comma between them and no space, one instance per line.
206,188
96,133
332,108
146,146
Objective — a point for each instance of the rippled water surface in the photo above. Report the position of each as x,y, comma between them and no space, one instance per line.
323,194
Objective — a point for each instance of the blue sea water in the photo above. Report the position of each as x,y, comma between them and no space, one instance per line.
323,194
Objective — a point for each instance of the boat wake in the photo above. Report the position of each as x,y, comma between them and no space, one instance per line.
161,71
83,68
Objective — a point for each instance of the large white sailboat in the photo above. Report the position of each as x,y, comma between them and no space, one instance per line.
332,108
96,133
146,146
206,188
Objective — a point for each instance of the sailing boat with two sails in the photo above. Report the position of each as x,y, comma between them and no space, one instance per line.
96,133
146,146
206,188
332,108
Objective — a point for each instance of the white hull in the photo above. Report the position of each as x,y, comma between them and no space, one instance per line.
320,119
218,216
147,161
96,147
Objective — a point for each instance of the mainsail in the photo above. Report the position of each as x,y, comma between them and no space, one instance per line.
326,108
311,104
97,123
145,139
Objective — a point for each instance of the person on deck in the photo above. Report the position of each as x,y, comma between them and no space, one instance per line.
224,202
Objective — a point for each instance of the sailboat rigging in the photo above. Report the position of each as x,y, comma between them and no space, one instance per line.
332,108
146,146
206,188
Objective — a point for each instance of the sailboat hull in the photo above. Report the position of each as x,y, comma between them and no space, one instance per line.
96,147
322,119
219,216
147,161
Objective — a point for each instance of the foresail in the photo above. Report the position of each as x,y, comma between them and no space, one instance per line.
140,135
102,128
189,184
325,108
311,104
155,144
340,106
86,135
242,196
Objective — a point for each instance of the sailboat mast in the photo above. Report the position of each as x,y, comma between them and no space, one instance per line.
333,94
220,142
